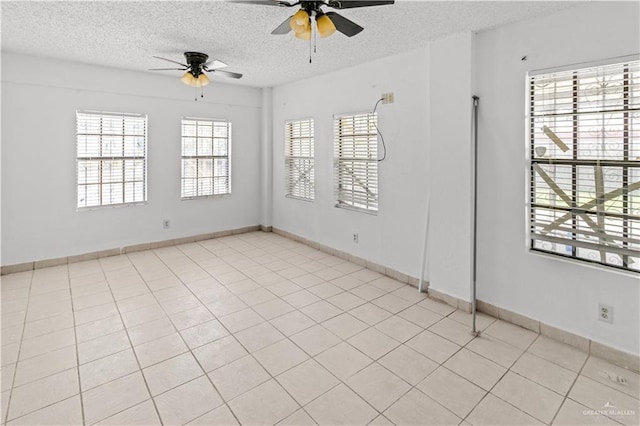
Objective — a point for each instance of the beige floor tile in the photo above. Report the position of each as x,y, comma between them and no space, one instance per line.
511,334
67,412
221,352
408,364
573,414
103,346
475,368
564,355
452,391
220,416
373,343
47,343
170,373
238,377
221,308
611,375
301,298
84,302
315,340
329,274
12,334
44,365
299,418
292,323
103,370
321,311
325,290
391,303
366,275
203,333
4,399
7,373
10,354
378,386
49,325
387,284
347,282
495,350
143,315
367,292
595,395
398,328
341,406
307,280
437,307
419,316
99,328
181,304
259,336
482,320
346,301
545,373
433,346
307,381
113,397
345,326
93,314
241,320
141,414
533,399
284,288
410,293
381,421
280,357
370,314
273,308
160,349
136,302
150,331
191,317
493,411
416,408
188,401
265,404
255,297
343,360
452,330
43,392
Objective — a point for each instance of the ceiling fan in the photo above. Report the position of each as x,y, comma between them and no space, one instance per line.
197,65
326,22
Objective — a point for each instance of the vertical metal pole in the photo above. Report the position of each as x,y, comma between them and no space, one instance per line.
474,330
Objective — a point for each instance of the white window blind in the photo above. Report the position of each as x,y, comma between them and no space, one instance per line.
110,158
299,159
356,164
206,153
585,164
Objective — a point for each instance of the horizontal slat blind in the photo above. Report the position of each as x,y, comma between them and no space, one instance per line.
206,151
585,164
356,153
299,159
110,158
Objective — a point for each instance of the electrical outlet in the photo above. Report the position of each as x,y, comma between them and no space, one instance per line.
387,98
355,238
165,223
605,313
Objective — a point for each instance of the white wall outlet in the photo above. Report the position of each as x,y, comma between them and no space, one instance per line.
165,224
387,98
605,313
355,238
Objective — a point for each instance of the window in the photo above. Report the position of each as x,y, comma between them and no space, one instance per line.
299,162
356,164
585,164
110,158
206,150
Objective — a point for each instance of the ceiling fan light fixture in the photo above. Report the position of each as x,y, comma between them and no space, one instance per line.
305,35
325,25
202,80
299,21
187,78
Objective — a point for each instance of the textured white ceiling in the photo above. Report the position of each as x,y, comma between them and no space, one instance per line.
125,34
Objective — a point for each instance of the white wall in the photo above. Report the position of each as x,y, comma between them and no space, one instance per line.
560,293
39,100
394,236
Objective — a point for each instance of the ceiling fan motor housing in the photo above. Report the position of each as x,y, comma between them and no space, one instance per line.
196,60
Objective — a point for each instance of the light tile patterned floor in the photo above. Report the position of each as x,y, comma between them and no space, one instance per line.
258,329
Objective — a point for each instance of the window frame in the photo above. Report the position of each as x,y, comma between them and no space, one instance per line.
288,158
101,158
212,157
577,208
372,141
